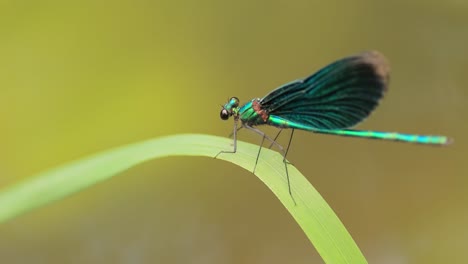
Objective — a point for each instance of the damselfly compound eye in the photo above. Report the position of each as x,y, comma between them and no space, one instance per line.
224,114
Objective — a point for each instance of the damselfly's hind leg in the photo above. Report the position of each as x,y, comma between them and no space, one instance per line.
282,150
287,148
283,153
286,162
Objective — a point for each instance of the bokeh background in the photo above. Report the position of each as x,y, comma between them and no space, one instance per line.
77,77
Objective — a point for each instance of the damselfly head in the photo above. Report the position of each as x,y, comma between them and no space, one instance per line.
227,110
234,102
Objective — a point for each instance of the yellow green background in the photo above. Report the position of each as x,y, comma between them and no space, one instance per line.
78,77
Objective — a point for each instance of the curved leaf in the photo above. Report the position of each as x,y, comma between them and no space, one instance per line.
311,212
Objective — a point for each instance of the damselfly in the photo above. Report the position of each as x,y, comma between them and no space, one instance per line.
332,100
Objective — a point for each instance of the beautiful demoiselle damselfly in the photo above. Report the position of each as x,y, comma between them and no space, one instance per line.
330,101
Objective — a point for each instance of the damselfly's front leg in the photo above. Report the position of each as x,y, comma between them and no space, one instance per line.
234,133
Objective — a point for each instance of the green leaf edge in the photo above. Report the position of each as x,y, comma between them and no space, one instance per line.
318,221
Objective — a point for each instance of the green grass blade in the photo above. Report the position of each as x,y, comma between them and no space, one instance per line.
312,213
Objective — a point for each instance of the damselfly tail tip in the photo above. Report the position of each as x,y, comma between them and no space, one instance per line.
442,141
448,141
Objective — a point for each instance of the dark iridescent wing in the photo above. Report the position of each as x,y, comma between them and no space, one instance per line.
338,96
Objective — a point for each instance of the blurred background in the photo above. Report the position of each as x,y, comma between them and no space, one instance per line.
77,77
